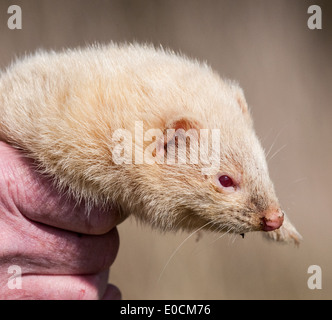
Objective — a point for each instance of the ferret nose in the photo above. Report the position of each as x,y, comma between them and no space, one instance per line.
272,220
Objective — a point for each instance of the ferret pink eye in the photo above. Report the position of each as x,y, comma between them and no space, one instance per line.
226,181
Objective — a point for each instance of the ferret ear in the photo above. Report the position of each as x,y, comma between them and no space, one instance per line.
241,100
178,129
239,96
184,122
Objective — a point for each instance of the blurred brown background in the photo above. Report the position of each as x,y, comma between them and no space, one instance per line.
285,70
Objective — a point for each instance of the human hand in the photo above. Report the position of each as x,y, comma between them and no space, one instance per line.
63,252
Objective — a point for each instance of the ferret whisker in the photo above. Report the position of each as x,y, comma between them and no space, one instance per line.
234,237
220,228
223,234
230,234
273,143
266,135
299,180
178,248
212,225
281,148
179,223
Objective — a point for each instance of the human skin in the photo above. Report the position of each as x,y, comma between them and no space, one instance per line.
63,251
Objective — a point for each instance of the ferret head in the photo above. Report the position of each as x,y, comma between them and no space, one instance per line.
232,193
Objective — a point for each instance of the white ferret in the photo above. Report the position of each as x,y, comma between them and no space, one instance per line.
68,110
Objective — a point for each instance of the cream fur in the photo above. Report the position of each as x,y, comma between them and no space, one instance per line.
62,109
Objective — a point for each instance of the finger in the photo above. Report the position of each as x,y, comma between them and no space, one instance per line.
63,287
41,249
35,197
112,293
